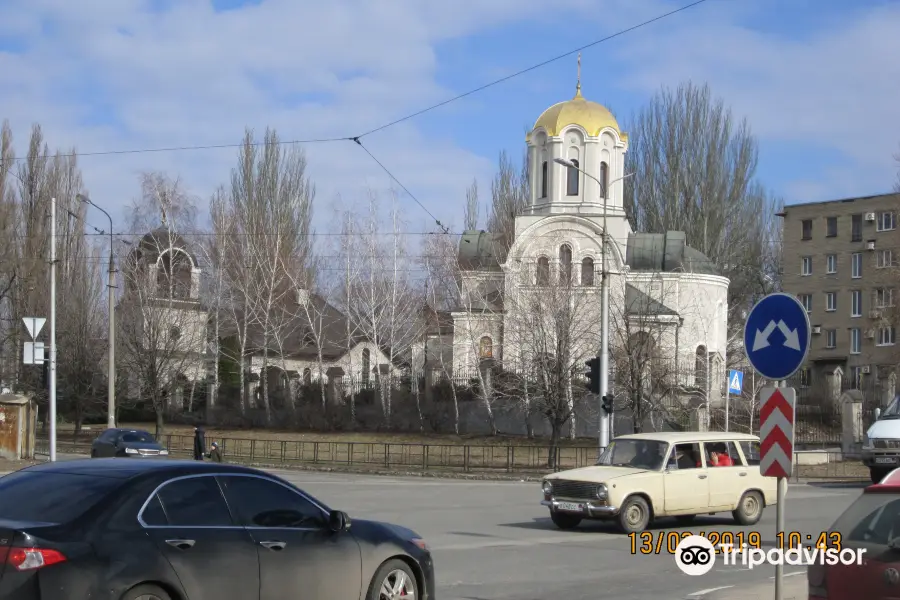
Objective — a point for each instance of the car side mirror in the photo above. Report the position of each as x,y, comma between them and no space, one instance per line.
338,521
877,413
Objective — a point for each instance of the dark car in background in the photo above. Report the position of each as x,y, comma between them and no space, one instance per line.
126,443
188,530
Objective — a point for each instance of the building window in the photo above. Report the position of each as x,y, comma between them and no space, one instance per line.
307,376
807,229
565,264
831,264
806,301
856,378
855,341
856,265
543,271
544,174
884,297
830,301
604,180
887,336
856,303
366,367
831,338
572,174
174,333
884,259
831,227
886,221
804,377
806,266
587,271
486,347
856,222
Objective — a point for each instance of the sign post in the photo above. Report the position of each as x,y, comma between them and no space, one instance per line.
776,341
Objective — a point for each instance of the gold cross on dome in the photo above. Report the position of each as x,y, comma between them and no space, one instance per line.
578,86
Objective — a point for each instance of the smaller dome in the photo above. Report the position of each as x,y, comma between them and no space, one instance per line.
593,117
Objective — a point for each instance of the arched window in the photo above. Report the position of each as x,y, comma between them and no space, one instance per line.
565,264
486,347
307,376
604,180
174,275
366,366
544,173
700,368
587,271
572,174
543,271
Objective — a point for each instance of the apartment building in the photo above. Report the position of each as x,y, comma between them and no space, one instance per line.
840,259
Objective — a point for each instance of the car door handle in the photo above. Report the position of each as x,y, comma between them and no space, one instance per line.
181,544
702,476
273,545
743,473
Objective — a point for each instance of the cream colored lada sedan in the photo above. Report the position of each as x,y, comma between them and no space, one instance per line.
650,475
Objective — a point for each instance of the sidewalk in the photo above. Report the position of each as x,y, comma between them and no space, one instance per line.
795,588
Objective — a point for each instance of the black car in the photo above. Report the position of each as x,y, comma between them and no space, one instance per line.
189,530
126,443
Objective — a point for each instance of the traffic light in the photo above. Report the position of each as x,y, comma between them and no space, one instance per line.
607,403
593,375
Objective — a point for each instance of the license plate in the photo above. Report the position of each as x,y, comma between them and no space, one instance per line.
885,460
572,506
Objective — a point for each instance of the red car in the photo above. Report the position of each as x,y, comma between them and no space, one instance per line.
872,523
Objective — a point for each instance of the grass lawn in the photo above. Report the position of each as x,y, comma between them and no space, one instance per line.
65,433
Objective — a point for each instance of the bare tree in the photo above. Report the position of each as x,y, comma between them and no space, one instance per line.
509,196
552,329
472,206
897,183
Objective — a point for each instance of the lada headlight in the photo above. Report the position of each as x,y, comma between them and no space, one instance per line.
547,487
602,491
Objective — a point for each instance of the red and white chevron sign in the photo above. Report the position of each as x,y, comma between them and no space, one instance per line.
776,431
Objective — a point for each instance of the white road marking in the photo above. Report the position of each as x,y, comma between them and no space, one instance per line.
537,541
702,593
792,574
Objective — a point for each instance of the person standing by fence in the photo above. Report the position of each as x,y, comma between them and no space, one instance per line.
215,454
199,443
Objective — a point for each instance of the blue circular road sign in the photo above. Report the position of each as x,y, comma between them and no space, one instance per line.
776,336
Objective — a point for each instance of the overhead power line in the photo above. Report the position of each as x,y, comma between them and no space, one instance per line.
401,119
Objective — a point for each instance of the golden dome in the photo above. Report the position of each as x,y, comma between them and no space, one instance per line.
593,117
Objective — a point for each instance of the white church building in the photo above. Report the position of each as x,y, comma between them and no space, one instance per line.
660,288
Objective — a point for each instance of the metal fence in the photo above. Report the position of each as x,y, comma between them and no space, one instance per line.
466,458
823,465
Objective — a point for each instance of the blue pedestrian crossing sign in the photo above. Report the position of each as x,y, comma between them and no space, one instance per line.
776,336
735,382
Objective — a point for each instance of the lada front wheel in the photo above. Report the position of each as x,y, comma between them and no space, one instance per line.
563,520
634,516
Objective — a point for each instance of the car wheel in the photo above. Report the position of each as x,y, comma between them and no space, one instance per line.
877,474
564,520
685,519
93,454
634,516
393,580
146,592
750,509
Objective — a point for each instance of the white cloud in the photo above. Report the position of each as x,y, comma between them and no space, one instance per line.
186,76
836,87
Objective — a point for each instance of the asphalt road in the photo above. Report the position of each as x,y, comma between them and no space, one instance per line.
494,541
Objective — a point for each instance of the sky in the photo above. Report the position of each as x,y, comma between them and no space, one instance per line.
818,82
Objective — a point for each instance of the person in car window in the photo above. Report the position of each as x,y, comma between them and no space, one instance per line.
718,457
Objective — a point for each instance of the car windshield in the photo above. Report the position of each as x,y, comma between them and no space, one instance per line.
51,497
872,521
893,410
140,437
638,454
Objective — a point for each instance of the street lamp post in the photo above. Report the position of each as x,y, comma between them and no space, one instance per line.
111,397
604,302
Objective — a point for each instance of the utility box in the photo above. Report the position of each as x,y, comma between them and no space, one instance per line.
18,423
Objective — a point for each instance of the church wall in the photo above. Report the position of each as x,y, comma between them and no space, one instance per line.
468,331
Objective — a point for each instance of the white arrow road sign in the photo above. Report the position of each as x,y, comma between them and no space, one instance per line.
791,336
34,325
